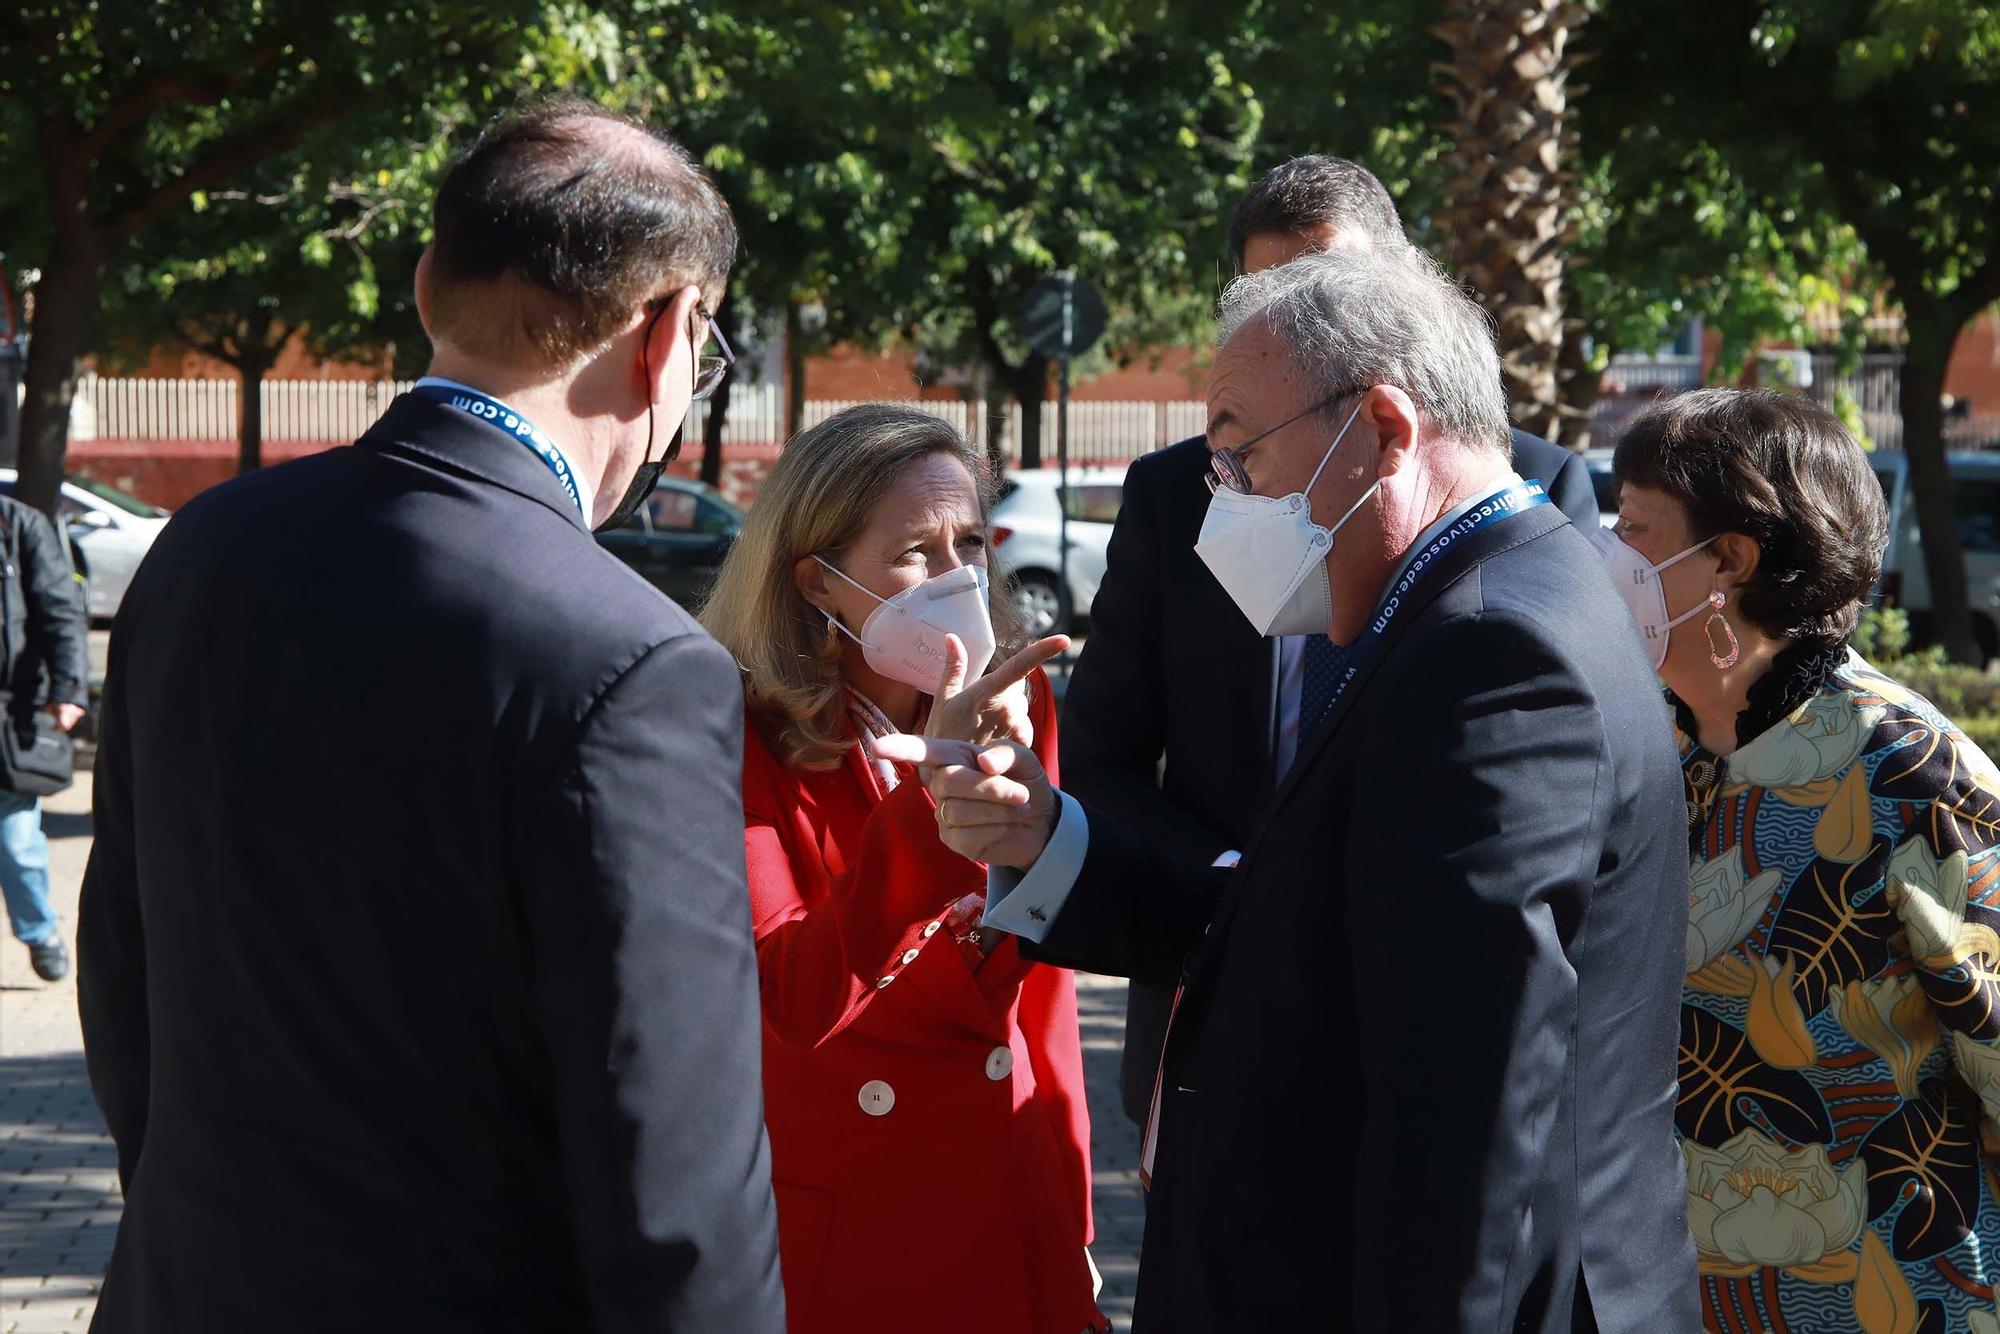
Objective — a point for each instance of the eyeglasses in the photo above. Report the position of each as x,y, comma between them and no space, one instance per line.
710,367
1225,466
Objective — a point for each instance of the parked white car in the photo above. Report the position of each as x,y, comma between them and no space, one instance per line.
113,530
1026,538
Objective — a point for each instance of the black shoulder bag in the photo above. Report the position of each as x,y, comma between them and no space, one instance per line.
36,756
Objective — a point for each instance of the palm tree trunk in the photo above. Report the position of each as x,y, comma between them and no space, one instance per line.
1506,220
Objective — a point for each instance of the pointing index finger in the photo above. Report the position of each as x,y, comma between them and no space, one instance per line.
1021,665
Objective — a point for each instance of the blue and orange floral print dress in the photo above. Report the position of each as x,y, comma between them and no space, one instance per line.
1840,1023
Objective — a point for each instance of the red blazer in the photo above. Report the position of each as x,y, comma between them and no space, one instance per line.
929,1139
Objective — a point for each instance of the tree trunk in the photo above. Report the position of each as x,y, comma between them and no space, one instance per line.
795,371
1029,384
1577,389
66,302
1031,430
1507,219
250,417
995,426
711,431
1924,360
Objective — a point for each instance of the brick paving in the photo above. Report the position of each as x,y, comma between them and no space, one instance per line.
59,1200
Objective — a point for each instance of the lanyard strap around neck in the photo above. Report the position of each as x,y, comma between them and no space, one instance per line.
1514,499
493,412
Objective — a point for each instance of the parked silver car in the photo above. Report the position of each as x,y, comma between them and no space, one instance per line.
111,529
1975,504
1027,544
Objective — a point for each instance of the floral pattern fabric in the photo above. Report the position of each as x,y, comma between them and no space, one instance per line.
1839,1104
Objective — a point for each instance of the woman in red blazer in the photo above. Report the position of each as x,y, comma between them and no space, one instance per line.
923,1083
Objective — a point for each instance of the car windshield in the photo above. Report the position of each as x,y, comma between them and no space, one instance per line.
111,495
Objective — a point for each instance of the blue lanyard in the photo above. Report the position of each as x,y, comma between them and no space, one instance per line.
494,412
1496,508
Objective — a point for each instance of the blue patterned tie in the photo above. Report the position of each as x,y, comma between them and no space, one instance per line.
1326,662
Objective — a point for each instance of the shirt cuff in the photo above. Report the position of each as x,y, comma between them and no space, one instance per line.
1228,859
1026,903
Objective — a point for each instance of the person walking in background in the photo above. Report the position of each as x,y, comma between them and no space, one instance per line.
416,977
1180,716
44,667
1840,1021
924,1083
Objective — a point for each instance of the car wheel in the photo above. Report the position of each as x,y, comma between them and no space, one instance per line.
1043,607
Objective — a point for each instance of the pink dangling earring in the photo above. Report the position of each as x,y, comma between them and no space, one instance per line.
1723,661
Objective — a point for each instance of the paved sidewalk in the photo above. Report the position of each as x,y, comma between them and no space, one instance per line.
59,1200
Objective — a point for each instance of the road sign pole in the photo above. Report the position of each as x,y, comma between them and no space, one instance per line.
1063,317
1062,441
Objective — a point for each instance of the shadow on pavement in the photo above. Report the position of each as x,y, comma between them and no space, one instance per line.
59,1197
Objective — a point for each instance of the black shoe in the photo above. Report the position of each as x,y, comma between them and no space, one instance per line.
50,959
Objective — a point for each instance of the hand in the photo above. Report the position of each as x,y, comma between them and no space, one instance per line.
67,716
996,705
995,803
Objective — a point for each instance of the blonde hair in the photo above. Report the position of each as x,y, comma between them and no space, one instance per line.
816,500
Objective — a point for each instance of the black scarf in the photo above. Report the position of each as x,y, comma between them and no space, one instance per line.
1796,675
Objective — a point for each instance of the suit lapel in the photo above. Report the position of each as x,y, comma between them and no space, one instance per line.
1454,565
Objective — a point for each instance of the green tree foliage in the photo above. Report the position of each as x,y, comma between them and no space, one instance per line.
115,114
913,167
289,252
1882,114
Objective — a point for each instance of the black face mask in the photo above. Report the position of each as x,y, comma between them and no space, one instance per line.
643,482
649,472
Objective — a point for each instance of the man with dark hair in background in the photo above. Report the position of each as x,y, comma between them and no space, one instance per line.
414,957
1179,716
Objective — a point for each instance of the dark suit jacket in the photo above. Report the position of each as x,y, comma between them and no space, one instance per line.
415,961
1171,713
1422,1073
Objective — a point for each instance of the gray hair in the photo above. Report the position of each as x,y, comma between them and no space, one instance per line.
1375,317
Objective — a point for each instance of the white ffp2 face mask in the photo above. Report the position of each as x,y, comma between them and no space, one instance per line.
1269,555
1638,581
903,638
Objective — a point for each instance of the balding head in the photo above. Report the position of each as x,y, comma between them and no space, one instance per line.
1372,317
558,224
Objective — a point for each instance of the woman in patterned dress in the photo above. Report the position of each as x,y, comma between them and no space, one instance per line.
1840,1024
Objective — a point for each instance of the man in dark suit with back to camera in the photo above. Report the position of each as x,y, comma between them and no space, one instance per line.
1179,716
415,962
1420,1075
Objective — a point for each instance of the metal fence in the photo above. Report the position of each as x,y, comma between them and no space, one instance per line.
1636,375
109,408
1100,431
1875,386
